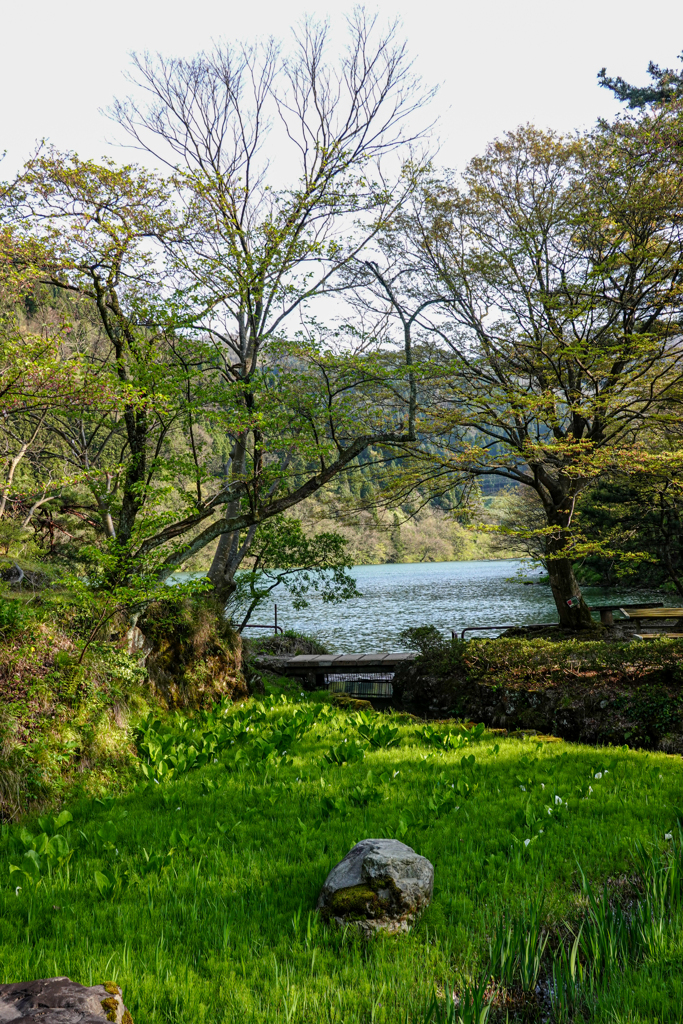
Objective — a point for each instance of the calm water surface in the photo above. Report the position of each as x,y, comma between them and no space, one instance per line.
448,595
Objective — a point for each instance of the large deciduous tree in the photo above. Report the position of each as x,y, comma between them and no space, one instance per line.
276,158
190,281
559,266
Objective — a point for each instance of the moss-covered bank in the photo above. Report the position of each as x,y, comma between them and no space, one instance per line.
587,691
67,710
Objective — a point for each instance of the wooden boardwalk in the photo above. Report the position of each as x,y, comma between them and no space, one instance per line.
315,667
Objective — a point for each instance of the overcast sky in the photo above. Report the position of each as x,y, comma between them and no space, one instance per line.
499,63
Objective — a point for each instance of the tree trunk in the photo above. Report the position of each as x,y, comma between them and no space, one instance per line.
571,607
229,550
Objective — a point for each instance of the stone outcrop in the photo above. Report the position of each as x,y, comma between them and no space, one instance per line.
380,884
61,1001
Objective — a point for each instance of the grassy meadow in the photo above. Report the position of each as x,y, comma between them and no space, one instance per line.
196,891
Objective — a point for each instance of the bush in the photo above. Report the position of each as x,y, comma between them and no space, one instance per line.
288,643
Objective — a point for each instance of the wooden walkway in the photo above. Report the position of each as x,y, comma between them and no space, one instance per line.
315,667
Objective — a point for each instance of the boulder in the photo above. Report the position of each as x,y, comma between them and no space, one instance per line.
60,1001
380,884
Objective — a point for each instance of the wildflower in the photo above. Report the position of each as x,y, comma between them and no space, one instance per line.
540,831
526,842
177,808
549,810
590,789
598,775
543,785
523,789
668,836
558,799
396,773
17,890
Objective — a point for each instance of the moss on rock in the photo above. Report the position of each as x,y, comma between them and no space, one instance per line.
110,1007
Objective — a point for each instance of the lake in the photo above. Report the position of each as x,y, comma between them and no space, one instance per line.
448,595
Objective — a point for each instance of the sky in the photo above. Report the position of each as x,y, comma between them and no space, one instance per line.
498,64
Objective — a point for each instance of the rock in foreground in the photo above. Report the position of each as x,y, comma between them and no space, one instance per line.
60,1001
380,884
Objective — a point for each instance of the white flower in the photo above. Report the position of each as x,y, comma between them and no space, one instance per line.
17,890
526,842
598,775
549,810
606,771
558,799
303,694
661,776
668,836
590,789
396,773
543,785
523,789
540,831
177,808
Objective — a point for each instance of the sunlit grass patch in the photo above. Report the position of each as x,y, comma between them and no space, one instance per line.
196,893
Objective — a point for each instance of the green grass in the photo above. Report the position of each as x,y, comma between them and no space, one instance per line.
197,893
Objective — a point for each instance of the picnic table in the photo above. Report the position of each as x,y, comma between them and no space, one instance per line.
606,610
637,614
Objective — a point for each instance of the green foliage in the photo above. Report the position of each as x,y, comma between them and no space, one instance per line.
11,618
427,640
377,732
267,830
639,521
666,87
281,554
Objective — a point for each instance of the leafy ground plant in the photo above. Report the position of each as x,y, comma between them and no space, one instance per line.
196,892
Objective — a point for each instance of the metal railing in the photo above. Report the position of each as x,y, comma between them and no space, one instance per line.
359,687
265,625
500,629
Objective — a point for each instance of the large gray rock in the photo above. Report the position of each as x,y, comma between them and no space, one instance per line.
60,1001
380,884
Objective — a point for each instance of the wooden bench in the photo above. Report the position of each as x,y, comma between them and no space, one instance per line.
658,636
636,615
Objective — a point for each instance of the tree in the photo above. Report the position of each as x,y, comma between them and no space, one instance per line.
631,521
310,409
559,269
282,555
254,250
666,87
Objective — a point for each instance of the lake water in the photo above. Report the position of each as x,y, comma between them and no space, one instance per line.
448,595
